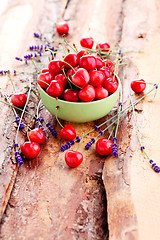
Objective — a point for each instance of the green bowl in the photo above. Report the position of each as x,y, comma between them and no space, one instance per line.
79,111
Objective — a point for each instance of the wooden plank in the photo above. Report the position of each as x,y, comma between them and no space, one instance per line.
134,194
50,201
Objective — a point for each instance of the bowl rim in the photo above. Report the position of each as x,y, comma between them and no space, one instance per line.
82,103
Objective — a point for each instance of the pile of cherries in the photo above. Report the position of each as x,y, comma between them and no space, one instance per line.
80,76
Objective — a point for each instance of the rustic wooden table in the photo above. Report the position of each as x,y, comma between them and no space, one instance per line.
104,198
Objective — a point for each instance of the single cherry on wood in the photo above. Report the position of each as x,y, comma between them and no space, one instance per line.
30,149
36,135
138,86
68,132
62,27
73,158
19,99
104,146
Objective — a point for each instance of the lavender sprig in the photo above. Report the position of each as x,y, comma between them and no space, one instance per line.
154,166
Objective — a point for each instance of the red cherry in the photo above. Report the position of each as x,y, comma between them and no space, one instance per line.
100,92
36,135
68,132
73,158
87,42
96,77
62,79
30,149
71,59
138,86
88,62
87,94
99,62
70,72
110,64
81,77
104,146
110,84
106,71
55,67
81,53
45,70
55,89
71,95
104,47
46,77
62,27
19,99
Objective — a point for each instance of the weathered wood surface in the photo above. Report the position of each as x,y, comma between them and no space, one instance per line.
43,199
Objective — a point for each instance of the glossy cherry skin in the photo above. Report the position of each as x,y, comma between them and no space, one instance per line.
99,62
81,77
87,42
68,132
138,86
104,146
100,93
73,158
88,62
62,27
55,89
71,95
43,78
71,59
19,99
81,53
110,84
110,64
104,47
62,79
55,67
71,72
96,77
45,70
30,149
87,94
106,71
36,135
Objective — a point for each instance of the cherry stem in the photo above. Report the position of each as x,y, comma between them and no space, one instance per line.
136,126
36,66
68,79
44,82
23,111
111,132
69,45
58,119
80,142
11,82
120,110
27,135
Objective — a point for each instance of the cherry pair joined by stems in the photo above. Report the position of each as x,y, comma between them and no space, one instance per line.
30,149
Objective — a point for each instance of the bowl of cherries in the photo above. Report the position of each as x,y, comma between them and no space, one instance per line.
80,87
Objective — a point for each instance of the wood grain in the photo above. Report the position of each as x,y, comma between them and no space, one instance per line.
104,198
